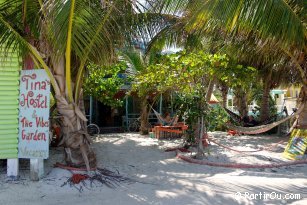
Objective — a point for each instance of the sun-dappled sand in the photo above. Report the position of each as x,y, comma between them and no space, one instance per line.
158,177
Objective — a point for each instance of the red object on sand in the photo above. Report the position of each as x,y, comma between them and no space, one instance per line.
232,132
77,178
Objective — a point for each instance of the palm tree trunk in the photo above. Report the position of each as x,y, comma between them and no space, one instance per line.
224,91
264,108
75,138
302,119
144,117
240,101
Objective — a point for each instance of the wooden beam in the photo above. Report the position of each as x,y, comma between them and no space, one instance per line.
12,168
36,169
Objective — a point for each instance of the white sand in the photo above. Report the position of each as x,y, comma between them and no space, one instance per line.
164,179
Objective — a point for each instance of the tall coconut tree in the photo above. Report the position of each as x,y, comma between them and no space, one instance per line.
276,25
274,66
61,37
281,23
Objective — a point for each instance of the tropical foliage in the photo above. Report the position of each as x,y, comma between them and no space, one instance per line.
268,35
188,75
104,82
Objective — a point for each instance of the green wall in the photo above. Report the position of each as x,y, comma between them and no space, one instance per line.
9,94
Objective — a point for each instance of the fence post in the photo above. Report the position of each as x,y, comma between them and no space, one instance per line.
12,168
36,169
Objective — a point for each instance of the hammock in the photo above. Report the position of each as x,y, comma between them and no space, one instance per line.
161,119
262,128
236,118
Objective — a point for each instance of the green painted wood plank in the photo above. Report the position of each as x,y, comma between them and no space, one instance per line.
8,122
9,112
7,88
9,83
8,117
7,146
8,107
10,67
7,99
8,102
9,141
13,131
8,136
8,127
9,151
8,93
10,73
9,156
8,78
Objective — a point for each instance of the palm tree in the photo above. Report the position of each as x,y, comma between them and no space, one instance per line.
138,63
280,23
62,37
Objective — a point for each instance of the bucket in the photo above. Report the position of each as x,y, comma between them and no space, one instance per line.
151,135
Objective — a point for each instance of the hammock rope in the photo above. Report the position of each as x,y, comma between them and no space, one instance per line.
238,119
250,151
161,119
238,165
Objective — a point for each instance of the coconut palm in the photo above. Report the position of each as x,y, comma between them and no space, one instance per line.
62,37
277,24
138,63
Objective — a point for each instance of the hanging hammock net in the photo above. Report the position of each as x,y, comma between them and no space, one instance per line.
262,128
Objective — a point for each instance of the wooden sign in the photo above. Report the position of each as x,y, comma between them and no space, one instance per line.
34,100
297,144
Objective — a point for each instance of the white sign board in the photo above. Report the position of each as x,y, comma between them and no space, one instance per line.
34,103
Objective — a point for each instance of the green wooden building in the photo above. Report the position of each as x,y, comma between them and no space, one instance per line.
9,94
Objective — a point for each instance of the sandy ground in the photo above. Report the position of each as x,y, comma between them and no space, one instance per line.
159,177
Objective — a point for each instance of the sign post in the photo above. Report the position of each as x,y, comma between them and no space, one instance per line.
34,119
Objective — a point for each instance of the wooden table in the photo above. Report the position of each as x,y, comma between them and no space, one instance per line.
177,130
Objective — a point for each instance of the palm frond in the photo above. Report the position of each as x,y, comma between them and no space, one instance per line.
135,59
273,19
19,43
